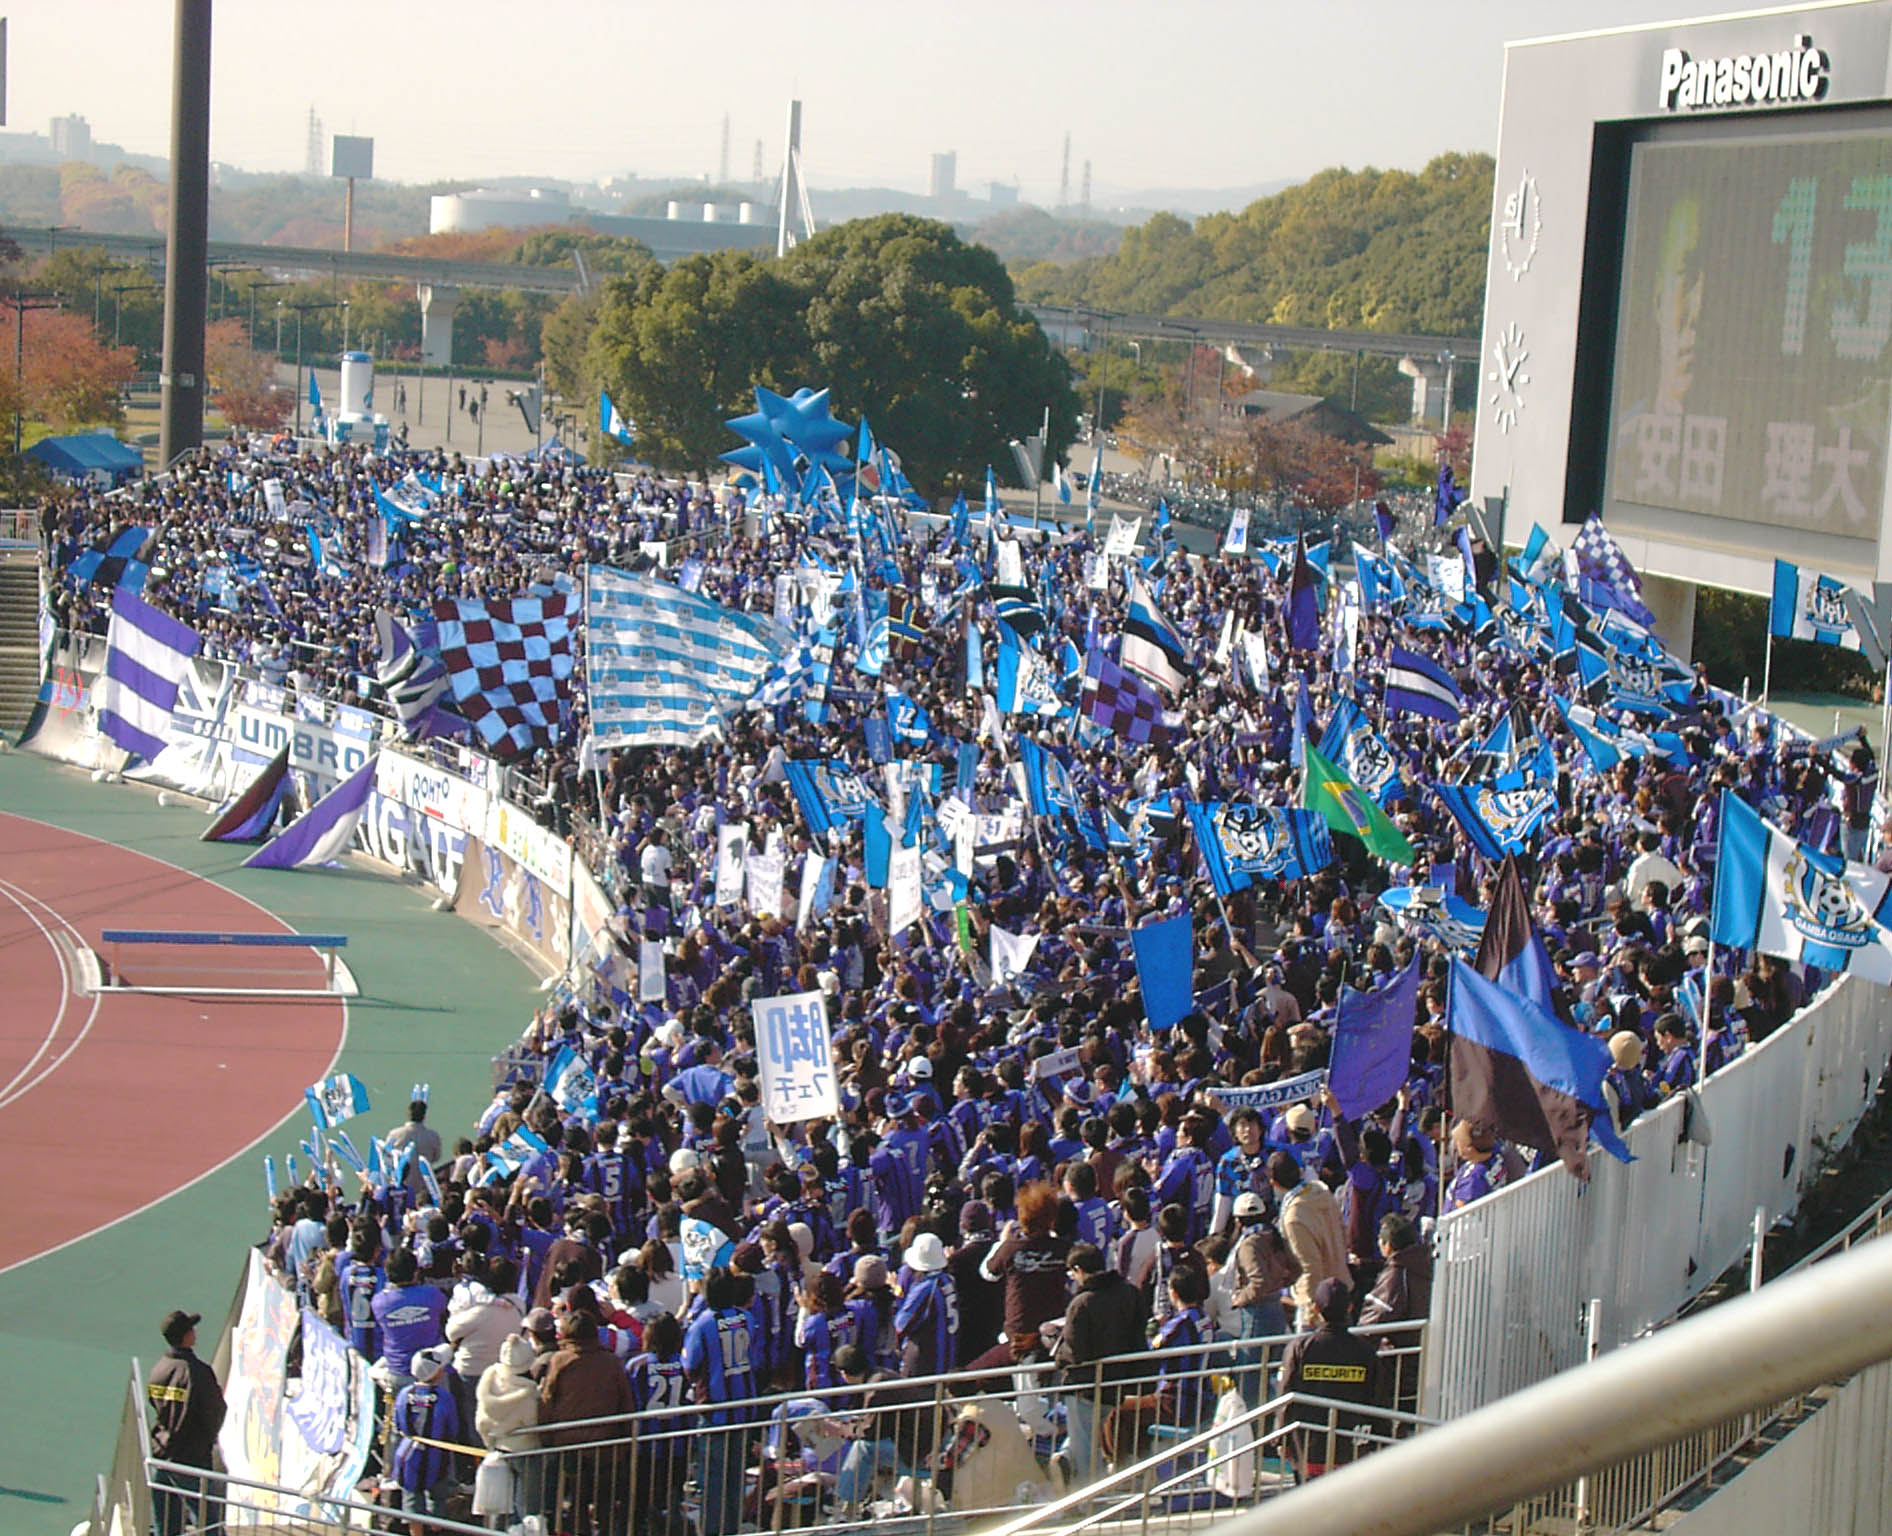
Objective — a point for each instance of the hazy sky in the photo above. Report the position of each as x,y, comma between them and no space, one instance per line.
1194,93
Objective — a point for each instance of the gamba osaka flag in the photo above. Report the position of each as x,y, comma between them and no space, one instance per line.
662,664
1499,821
1809,606
1783,898
1241,841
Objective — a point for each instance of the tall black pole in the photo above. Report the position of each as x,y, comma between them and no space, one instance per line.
185,282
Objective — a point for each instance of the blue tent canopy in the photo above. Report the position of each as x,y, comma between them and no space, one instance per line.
87,455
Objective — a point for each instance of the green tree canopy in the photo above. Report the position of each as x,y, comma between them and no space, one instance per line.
902,320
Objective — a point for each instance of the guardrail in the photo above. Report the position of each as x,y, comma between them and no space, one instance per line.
966,1440
1539,1276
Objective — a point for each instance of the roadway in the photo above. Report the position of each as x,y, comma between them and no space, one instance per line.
1079,324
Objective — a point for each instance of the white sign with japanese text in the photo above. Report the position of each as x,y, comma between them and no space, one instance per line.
796,1057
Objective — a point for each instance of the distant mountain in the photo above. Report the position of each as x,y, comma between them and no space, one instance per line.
1193,202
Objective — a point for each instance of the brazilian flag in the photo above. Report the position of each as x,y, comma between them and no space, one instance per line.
1348,808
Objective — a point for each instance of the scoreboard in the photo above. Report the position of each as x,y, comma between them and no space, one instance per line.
1689,294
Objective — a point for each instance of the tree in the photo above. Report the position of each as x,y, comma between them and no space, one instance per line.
68,379
242,380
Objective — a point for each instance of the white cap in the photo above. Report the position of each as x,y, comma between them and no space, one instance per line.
926,1254
683,1160
920,1069
1248,1203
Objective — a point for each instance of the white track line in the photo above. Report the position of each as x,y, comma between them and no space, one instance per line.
65,988
12,1093
262,1136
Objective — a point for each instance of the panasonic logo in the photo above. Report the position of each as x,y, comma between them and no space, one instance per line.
1793,75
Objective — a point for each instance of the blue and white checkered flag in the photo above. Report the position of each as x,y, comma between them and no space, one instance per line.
336,1099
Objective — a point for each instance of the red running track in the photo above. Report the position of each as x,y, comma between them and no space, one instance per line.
108,1104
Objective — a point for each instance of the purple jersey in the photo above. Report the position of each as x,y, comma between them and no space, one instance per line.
411,1317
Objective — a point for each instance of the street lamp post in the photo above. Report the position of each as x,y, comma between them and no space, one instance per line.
301,310
118,305
266,283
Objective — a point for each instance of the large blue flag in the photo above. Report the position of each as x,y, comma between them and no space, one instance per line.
336,1099
1418,685
1785,898
1025,683
828,792
1166,969
1240,841
248,817
1303,619
1049,789
1372,1049
1520,1071
1351,744
1498,821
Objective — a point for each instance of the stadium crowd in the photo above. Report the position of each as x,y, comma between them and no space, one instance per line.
661,1242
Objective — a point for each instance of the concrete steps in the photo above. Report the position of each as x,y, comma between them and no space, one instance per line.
19,638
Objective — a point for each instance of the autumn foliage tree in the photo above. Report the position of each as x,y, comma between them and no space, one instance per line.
242,380
67,379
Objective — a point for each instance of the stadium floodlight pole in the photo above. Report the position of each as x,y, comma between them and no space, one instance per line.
187,241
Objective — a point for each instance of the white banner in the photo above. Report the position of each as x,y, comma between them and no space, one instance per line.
765,882
1122,538
650,971
903,889
817,889
1237,541
796,1057
732,849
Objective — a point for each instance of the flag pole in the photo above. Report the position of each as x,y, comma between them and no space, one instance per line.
1767,667
1707,1011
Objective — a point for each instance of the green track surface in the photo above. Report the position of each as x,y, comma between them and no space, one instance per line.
439,998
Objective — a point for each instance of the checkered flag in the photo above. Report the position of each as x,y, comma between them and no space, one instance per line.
509,665
1601,559
1124,704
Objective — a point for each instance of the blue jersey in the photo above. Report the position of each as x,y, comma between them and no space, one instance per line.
912,1151
411,1317
613,1178
820,1334
424,1412
928,1321
1188,1180
718,1353
359,1283
1095,1223
655,1385
1238,1174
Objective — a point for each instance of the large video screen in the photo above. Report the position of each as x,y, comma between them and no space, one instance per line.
1752,361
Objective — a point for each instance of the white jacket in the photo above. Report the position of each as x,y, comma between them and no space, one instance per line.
478,1326
506,1402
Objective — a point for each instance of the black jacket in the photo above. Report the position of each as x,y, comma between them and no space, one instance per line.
188,1406
1104,1321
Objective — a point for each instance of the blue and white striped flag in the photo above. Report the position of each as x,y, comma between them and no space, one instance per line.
1784,898
613,423
518,1149
147,653
662,664
336,1099
1420,686
1809,606
324,831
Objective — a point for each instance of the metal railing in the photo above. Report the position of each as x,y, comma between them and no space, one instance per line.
975,1447
1518,1271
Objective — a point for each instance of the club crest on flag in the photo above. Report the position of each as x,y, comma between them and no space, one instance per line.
1821,905
1250,835
1514,814
841,788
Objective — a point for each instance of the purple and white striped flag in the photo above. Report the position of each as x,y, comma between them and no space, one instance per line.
147,652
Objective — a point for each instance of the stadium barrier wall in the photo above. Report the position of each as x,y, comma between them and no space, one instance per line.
1532,1278
425,819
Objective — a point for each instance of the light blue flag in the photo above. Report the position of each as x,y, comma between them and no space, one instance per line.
1240,841
269,1175
1809,606
1785,898
1498,821
512,1154
1025,685
613,423
336,1099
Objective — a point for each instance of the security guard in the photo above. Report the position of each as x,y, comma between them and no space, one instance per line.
1330,1363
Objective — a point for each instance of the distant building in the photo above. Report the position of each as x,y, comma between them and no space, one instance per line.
1327,417
939,185
462,212
71,138
1001,194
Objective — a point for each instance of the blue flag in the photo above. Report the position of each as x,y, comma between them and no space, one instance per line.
1303,602
336,1099
1498,821
828,792
612,422
1240,841
1166,968
1351,743
324,831
1524,1073
1372,1049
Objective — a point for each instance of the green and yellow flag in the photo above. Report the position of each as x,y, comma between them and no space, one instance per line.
1348,808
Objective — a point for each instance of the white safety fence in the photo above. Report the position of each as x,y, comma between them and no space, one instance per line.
1530,1279
1830,1473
